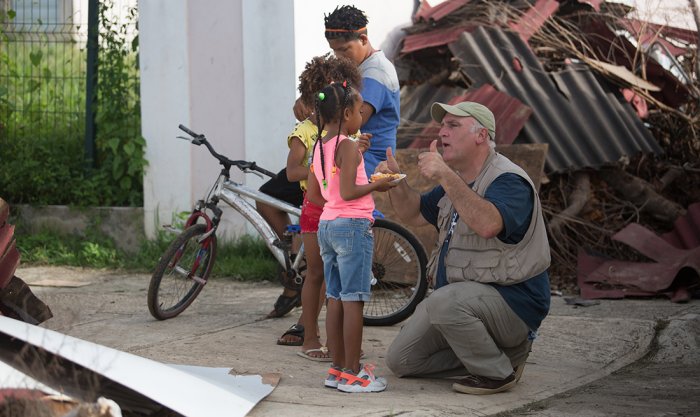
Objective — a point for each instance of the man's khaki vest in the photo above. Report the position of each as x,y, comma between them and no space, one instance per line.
471,257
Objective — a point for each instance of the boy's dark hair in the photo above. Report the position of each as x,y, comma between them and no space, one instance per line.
345,22
323,70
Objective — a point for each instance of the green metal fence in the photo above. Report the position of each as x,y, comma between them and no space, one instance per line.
44,67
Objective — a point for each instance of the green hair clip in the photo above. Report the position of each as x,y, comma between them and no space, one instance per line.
321,96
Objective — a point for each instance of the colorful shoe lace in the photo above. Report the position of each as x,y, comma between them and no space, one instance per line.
364,381
333,377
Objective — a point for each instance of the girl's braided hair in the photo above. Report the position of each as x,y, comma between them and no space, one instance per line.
331,103
345,22
323,70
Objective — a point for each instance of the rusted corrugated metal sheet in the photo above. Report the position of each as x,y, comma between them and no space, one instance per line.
686,230
585,121
436,13
415,112
433,38
510,113
416,100
647,33
614,49
639,26
674,273
534,18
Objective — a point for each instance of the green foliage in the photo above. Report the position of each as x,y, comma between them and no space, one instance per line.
247,259
121,151
53,248
44,91
42,118
47,171
5,70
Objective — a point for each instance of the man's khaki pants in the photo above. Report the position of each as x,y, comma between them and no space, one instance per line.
464,327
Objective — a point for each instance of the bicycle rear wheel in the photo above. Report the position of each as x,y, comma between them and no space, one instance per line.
181,273
398,265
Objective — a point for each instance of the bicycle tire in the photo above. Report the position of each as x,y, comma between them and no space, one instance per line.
172,289
398,264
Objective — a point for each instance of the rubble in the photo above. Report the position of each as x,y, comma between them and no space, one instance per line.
16,298
615,99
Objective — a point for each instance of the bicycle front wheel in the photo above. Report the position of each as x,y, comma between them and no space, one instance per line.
398,269
181,273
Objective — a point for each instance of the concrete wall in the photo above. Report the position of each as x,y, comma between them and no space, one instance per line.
123,224
228,69
224,68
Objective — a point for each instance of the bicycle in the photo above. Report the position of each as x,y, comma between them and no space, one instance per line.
398,264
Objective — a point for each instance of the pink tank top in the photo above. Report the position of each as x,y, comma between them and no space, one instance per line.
335,205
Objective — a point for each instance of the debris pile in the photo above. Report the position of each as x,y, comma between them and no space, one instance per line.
614,98
16,298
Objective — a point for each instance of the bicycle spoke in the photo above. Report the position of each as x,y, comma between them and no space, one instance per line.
181,274
397,269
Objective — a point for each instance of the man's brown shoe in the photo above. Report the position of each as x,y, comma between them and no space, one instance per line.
480,385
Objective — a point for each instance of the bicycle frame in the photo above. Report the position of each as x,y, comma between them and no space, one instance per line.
232,193
398,260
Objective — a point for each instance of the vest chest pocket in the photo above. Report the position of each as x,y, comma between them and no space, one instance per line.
487,266
443,214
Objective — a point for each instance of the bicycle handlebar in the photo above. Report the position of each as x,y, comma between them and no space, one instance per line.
198,139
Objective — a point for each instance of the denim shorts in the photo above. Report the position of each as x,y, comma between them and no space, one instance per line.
346,249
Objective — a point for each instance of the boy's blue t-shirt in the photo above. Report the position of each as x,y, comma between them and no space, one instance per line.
512,196
380,89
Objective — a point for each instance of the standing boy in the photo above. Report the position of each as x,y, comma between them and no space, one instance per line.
346,33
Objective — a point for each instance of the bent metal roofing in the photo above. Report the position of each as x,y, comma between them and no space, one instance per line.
585,121
509,112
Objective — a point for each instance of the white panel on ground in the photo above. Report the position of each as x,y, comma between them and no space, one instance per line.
190,391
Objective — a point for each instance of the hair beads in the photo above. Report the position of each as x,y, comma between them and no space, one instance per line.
330,106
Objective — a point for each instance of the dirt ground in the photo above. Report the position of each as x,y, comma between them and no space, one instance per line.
642,389
624,357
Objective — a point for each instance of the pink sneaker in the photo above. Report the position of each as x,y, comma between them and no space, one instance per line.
364,381
333,377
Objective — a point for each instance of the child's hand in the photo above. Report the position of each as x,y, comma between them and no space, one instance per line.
384,184
363,141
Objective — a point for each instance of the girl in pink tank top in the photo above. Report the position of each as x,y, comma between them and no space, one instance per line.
338,176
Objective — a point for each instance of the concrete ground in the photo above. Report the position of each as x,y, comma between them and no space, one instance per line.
603,359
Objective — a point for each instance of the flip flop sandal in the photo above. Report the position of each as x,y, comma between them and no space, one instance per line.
295,330
285,304
323,350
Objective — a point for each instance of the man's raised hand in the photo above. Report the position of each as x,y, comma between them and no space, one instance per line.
430,163
391,163
433,146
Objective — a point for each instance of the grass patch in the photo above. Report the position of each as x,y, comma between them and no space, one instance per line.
246,259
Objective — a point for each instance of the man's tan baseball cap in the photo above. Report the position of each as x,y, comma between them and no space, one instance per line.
466,109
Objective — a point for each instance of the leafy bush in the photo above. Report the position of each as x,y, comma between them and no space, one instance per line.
48,171
119,142
42,158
